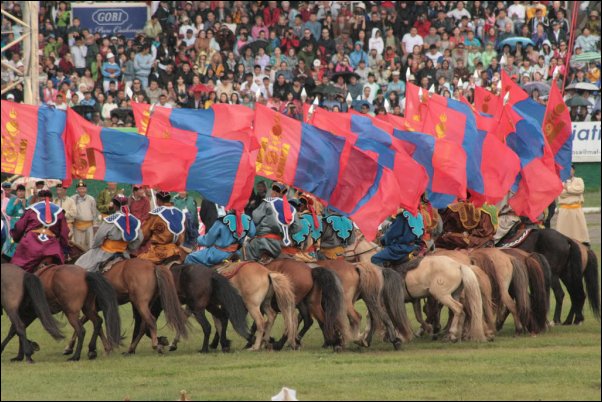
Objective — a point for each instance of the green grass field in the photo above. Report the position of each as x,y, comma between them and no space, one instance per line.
561,364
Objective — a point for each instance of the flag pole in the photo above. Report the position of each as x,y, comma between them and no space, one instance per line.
571,43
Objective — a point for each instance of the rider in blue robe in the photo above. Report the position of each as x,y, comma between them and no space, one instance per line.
402,240
223,240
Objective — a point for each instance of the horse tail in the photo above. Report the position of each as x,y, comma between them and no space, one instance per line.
473,303
488,306
538,294
520,290
229,298
371,287
106,297
285,299
35,290
487,265
394,297
591,282
169,300
547,275
336,324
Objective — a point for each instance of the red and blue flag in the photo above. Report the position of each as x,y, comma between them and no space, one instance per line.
33,141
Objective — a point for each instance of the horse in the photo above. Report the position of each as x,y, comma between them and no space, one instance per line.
201,288
448,281
72,289
257,286
318,293
22,296
486,286
143,283
570,263
539,273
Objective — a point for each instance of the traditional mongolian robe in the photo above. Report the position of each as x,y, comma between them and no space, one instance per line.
163,233
273,229
14,211
222,241
571,219
83,225
402,238
41,233
5,242
466,226
308,234
338,233
118,234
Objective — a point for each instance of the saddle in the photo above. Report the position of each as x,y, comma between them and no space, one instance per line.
108,264
516,235
229,269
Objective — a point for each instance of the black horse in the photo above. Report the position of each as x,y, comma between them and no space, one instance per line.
569,265
201,288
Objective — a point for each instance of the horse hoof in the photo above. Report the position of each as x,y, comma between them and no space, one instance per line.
163,341
226,349
92,355
30,361
173,348
294,347
277,347
397,345
67,352
204,351
16,359
160,349
73,359
578,323
337,349
128,353
35,346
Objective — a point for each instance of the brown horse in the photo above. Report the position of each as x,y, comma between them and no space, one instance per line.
508,275
318,293
143,283
383,291
201,288
72,289
23,297
258,286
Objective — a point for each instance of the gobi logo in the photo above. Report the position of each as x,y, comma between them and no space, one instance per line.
110,17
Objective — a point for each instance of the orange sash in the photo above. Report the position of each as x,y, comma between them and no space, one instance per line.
114,246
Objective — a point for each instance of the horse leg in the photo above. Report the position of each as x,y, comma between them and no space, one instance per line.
255,313
305,316
510,305
224,341
202,319
426,328
559,296
150,325
355,320
91,314
137,334
271,313
11,334
447,299
69,348
217,323
75,322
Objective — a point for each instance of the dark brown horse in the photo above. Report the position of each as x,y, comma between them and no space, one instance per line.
201,288
143,283
571,263
23,297
71,290
318,293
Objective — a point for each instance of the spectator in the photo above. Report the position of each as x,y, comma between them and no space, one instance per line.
143,63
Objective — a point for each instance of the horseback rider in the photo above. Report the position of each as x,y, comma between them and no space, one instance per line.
41,233
433,225
118,235
338,233
467,226
402,241
5,241
163,231
275,219
309,230
224,239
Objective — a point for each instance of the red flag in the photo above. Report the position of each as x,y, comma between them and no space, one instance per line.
512,93
486,102
142,113
557,130
85,159
416,107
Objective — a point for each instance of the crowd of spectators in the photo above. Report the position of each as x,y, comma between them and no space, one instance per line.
351,53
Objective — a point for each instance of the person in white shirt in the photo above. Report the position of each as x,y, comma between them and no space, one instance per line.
459,12
517,12
249,87
79,52
376,41
410,40
60,102
186,25
107,107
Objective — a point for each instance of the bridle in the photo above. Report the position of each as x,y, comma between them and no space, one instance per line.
353,256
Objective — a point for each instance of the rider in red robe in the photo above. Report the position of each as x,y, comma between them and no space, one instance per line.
42,233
